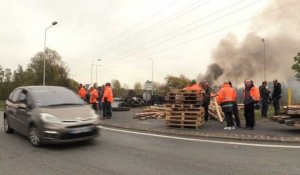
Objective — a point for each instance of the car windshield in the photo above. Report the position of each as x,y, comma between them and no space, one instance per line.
55,96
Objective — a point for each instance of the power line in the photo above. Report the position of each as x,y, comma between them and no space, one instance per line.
127,31
183,33
136,26
159,24
213,32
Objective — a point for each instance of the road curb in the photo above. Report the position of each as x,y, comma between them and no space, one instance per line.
211,135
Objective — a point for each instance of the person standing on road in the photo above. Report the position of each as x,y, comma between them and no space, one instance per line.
107,99
276,96
100,94
226,98
94,97
206,101
250,97
235,110
265,98
81,92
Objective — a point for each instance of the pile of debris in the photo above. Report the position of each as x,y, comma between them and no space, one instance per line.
152,112
185,109
215,111
290,117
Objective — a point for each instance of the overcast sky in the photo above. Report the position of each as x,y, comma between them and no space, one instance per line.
178,35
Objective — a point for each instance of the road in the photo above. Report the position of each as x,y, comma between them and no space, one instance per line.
125,153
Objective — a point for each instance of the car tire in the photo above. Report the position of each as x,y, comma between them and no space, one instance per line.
34,137
7,128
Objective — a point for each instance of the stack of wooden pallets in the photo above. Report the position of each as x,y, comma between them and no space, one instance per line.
185,109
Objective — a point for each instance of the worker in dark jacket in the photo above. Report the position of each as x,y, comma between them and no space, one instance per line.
276,96
250,97
206,101
235,110
265,98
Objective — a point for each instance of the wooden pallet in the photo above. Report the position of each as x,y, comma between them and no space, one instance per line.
194,125
185,102
176,91
186,106
187,109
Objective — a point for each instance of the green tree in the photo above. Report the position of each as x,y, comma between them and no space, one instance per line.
116,86
296,66
7,75
138,88
173,82
1,74
56,70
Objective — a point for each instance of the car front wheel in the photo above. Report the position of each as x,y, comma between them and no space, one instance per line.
7,128
34,137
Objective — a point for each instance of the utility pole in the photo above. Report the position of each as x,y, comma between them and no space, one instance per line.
265,75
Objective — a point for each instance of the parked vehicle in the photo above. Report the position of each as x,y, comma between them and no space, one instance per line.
49,114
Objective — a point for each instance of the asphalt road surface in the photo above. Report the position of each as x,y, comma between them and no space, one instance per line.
117,152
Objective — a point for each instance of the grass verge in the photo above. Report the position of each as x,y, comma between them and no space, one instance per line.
2,105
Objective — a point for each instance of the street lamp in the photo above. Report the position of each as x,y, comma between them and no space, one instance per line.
44,74
265,75
152,81
92,69
97,72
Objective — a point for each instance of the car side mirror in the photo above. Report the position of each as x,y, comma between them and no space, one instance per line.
22,106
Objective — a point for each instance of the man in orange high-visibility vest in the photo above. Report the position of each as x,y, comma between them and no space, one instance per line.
82,92
94,97
226,97
107,99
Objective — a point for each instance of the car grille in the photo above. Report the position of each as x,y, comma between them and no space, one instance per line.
79,135
79,126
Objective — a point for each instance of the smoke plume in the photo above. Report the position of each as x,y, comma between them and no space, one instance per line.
236,60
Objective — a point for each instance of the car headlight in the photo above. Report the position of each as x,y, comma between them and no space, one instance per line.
49,118
94,115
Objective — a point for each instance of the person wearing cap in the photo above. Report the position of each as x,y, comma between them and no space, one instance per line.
193,87
276,96
107,99
250,97
94,97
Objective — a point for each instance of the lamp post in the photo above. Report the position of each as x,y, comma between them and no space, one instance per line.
92,70
265,75
152,81
44,72
97,72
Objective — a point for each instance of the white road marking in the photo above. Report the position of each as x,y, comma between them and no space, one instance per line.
200,140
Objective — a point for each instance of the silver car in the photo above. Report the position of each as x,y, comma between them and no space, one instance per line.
49,114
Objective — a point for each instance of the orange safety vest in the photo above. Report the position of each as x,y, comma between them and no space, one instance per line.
94,96
108,94
226,94
254,93
82,92
195,87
